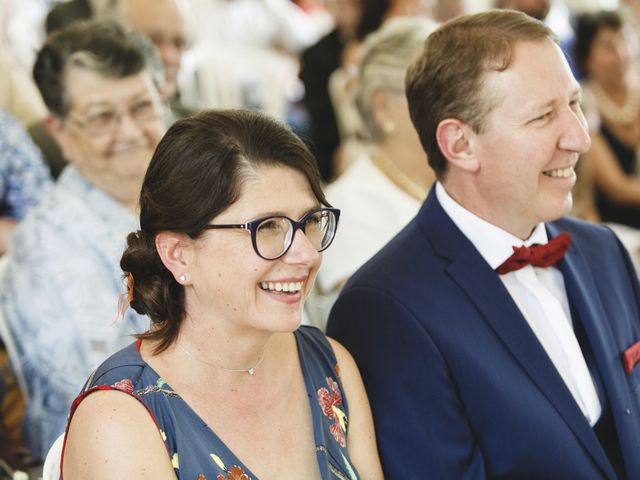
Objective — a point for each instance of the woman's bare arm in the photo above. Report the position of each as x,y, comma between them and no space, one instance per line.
112,435
609,177
361,440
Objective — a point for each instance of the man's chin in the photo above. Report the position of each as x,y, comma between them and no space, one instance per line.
561,210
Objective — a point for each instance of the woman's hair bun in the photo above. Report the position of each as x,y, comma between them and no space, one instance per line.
142,262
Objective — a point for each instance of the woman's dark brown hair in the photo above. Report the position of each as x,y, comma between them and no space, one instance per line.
196,172
587,27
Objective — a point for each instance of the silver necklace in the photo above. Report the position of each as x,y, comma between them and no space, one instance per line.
250,370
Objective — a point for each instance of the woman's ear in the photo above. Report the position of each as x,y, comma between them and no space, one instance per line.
174,253
455,141
382,111
55,127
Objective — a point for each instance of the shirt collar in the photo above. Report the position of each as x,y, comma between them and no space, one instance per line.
493,243
100,202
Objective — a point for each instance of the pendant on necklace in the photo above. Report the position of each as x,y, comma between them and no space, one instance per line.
251,370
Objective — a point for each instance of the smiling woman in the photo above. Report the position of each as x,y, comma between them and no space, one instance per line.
233,221
604,53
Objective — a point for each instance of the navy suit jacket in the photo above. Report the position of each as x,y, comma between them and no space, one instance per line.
459,384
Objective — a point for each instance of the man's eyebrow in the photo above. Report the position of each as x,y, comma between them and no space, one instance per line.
575,93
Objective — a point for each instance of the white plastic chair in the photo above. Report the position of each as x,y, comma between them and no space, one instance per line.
237,76
51,468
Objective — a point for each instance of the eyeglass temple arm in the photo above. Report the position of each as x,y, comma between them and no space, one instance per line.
228,225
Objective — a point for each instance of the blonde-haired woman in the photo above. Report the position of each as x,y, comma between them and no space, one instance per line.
383,189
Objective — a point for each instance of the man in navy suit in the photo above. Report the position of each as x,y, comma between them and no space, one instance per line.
471,373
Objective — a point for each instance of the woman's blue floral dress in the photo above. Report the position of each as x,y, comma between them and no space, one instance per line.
196,452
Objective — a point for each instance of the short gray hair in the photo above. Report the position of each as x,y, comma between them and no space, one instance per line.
386,54
104,47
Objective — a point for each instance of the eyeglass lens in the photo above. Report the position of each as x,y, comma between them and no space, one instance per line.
274,235
107,119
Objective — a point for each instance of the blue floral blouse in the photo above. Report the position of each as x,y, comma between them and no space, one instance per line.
24,177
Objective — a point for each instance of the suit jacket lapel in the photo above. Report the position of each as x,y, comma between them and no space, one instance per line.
483,286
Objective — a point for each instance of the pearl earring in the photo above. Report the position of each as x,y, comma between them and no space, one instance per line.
182,278
388,127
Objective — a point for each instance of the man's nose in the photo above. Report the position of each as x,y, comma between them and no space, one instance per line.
575,137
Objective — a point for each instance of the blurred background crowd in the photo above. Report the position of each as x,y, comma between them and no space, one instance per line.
77,133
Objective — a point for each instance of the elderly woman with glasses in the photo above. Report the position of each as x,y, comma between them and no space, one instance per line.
226,384
60,289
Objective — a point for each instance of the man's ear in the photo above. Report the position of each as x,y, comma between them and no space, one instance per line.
455,142
171,247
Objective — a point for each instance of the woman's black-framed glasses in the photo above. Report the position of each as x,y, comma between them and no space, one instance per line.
272,236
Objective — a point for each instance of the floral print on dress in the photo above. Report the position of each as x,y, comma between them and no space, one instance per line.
155,389
329,403
235,473
125,385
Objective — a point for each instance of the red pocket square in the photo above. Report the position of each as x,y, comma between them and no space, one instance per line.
631,357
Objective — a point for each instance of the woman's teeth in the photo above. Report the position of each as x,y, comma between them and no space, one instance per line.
290,287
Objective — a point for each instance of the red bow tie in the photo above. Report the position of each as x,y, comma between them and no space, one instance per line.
536,255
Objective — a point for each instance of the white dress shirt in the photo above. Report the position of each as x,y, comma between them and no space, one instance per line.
540,295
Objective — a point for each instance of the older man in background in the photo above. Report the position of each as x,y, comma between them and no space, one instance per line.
61,287
162,22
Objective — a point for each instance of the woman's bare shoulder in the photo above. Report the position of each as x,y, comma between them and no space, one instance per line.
112,435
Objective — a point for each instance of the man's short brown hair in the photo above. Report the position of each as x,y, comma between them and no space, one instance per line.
447,80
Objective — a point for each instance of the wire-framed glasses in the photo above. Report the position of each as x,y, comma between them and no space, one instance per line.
108,118
272,236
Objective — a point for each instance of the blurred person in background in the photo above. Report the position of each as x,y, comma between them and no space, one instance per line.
538,9
556,14
318,62
63,13
24,177
384,188
62,280
161,21
444,10
612,105
375,14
